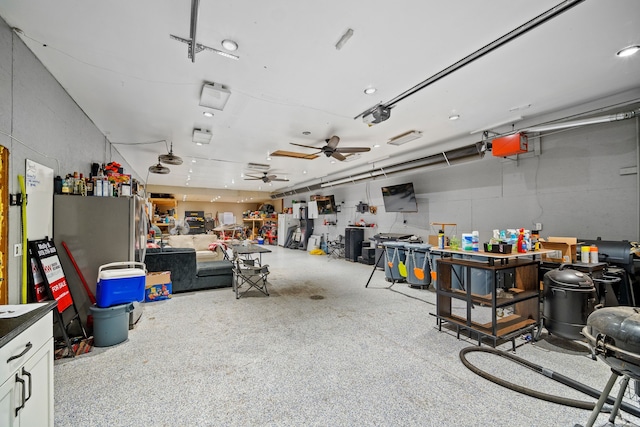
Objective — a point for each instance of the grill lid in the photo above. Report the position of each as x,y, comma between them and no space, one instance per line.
567,279
619,327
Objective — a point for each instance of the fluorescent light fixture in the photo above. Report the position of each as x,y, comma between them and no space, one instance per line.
214,96
344,39
405,137
454,117
584,122
207,114
495,125
201,136
370,90
628,51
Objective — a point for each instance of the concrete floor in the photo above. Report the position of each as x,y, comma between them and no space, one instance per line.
321,350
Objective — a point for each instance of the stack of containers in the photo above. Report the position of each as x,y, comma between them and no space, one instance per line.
119,285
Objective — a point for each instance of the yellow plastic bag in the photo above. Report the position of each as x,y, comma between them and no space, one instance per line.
316,252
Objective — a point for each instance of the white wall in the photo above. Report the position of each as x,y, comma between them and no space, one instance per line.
574,188
45,125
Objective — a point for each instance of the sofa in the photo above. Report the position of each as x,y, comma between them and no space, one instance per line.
201,243
187,274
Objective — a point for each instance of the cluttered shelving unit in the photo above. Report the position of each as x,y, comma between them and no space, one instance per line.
164,211
502,305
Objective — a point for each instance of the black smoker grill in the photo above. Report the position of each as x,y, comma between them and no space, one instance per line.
614,335
569,297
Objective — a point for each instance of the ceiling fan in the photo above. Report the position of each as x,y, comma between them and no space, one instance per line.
329,150
264,178
170,159
159,169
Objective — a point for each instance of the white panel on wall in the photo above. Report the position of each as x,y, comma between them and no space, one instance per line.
39,187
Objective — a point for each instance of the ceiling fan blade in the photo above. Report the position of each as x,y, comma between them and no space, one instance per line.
252,179
353,149
283,153
279,179
338,156
306,146
333,142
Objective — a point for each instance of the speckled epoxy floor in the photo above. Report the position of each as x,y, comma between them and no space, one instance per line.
321,350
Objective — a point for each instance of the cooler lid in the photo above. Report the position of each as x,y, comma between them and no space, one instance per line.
121,272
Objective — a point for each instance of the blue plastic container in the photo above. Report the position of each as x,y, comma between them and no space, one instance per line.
120,285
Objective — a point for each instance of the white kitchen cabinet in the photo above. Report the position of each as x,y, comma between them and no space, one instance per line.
26,374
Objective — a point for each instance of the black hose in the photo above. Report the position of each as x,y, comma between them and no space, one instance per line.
546,372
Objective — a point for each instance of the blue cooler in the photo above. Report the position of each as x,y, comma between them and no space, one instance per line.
395,269
418,271
120,283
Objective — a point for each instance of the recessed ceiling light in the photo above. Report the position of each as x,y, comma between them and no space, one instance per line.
198,143
207,114
376,145
454,117
304,172
628,51
333,161
370,90
229,45
193,160
306,132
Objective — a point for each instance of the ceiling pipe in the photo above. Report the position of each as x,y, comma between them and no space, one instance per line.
517,32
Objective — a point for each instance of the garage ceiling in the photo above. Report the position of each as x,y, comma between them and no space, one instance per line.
292,85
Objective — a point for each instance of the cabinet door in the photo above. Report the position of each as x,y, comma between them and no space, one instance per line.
8,400
37,373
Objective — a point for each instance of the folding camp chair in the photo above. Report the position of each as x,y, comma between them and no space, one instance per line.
247,275
336,247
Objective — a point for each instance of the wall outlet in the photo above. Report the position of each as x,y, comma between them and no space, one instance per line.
17,249
538,226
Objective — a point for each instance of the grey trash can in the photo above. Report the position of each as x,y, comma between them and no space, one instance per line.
395,269
111,324
418,271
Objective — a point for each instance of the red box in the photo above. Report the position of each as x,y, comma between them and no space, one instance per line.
510,145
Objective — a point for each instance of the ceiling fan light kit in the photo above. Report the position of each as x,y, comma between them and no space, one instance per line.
405,137
214,96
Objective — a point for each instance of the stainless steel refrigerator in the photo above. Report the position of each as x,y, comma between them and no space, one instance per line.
97,231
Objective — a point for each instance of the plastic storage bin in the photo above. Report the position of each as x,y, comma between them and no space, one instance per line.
395,269
111,324
119,283
418,271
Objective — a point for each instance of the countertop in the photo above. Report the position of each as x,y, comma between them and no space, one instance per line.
12,327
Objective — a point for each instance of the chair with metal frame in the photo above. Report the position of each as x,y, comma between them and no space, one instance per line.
336,247
248,274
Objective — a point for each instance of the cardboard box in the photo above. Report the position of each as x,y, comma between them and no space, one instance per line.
564,249
158,278
158,286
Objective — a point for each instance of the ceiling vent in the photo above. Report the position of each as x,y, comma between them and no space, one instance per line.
405,137
214,96
201,136
258,167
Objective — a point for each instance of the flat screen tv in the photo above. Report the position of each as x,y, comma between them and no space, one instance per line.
399,198
326,204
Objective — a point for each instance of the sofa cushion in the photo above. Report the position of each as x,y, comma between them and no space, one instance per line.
215,268
201,242
180,241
